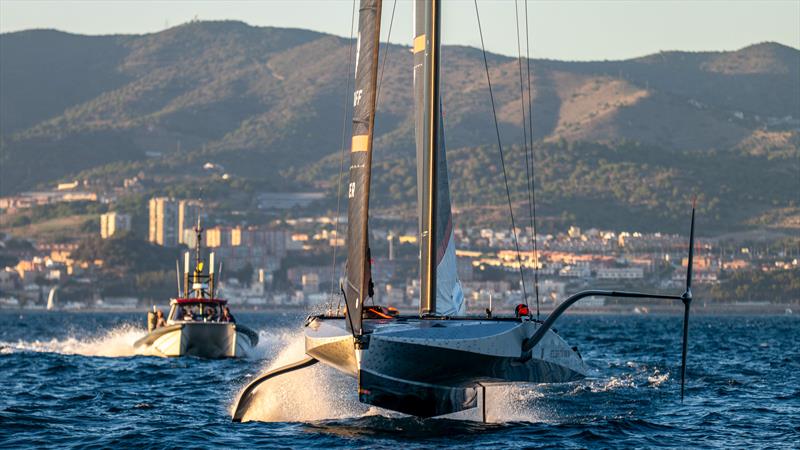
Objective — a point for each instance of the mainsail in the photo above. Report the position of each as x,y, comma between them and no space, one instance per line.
357,279
440,289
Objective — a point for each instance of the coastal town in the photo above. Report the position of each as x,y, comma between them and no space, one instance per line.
294,260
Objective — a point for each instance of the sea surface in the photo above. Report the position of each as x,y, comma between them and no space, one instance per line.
73,380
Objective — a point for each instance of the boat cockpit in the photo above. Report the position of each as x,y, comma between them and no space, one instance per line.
197,310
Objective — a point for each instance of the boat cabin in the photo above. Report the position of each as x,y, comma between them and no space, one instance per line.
196,310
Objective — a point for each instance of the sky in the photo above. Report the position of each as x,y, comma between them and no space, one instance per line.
559,29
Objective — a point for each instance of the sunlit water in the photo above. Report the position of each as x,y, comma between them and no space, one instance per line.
74,380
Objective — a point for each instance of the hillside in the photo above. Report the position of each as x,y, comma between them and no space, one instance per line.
266,103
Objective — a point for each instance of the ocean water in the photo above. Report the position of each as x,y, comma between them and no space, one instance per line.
74,381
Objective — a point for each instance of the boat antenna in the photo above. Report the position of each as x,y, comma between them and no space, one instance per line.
178,274
502,158
219,278
198,269
686,298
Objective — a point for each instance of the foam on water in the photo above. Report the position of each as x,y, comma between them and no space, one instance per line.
116,342
657,378
513,403
315,393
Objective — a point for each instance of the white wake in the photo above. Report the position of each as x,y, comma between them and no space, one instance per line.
113,343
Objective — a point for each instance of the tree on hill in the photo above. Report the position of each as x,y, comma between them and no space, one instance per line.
779,286
126,254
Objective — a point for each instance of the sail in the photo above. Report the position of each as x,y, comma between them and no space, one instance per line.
449,295
357,278
440,288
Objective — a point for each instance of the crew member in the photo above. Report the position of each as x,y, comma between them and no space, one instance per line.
227,316
160,322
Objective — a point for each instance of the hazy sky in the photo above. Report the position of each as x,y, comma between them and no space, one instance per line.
564,29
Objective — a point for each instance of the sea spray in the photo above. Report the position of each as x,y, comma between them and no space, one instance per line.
116,342
513,403
315,393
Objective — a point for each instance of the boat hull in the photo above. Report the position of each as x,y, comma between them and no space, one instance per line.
200,339
431,367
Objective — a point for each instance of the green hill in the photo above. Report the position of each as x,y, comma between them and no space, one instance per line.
615,139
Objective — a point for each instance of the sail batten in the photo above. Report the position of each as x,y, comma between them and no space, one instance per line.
358,273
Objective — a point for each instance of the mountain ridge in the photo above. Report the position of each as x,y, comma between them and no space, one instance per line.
267,103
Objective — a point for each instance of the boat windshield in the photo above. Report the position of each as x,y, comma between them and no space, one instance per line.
206,312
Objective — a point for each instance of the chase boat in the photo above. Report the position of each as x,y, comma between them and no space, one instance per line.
198,323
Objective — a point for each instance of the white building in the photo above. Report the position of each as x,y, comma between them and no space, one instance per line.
624,273
575,272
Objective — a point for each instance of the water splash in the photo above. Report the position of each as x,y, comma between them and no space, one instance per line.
312,394
657,378
117,342
513,403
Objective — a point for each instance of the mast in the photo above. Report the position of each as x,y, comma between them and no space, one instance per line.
358,275
440,289
426,96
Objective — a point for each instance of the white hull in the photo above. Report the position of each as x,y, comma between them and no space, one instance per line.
201,339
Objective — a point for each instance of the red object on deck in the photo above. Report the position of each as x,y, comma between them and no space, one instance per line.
212,301
522,310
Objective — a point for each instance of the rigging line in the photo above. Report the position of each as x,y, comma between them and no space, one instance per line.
341,161
385,56
502,158
524,126
533,166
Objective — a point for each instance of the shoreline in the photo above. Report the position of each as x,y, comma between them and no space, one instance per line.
721,309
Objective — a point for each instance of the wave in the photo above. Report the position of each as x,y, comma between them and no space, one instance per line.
117,342
657,378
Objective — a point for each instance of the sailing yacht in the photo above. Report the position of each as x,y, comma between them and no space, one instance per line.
439,361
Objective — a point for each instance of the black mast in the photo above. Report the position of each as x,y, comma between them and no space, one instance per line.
358,278
427,20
